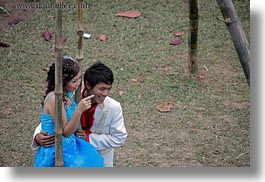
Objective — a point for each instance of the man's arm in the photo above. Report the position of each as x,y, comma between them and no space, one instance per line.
34,144
41,138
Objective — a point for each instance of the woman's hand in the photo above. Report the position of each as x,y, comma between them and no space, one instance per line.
70,127
84,104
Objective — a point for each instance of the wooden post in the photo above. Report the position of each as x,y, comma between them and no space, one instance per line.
193,32
80,55
58,86
80,32
237,33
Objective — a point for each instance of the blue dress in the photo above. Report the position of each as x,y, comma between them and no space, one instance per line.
76,151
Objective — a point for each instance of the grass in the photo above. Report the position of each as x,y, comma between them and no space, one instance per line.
209,124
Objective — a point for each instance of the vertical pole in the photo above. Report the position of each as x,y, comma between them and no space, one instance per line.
58,86
193,32
80,32
237,33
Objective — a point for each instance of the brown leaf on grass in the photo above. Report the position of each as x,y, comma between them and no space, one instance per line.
47,35
164,106
103,37
129,14
14,21
175,42
178,34
4,44
46,68
134,80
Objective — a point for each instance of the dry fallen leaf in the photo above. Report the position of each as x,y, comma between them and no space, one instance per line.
164,106
134,80
178,34
14,21
4,44
47,35
129,14
103,37
175,42
46,68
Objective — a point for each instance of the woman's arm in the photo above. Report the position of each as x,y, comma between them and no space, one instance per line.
71,126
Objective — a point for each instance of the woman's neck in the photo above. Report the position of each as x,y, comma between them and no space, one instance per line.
70,95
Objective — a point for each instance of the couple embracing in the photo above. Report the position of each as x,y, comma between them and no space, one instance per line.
102,121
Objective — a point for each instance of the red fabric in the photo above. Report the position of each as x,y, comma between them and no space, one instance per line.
87,118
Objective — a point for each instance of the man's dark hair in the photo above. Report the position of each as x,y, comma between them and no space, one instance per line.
97,73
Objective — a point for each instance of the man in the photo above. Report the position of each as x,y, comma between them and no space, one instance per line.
102,124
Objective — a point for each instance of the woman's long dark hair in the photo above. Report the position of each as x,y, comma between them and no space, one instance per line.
70,69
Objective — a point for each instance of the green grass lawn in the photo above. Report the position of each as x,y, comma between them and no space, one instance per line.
209,124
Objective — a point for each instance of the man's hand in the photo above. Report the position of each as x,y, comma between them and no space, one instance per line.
44,139
81,134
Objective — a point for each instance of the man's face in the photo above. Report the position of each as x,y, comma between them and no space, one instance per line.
100,92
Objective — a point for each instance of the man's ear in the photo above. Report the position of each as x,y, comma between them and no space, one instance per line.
87,85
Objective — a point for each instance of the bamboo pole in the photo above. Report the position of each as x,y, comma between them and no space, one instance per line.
58,86
193,32
80,32
80,55
237,33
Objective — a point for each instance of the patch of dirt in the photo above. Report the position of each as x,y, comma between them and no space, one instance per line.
10,11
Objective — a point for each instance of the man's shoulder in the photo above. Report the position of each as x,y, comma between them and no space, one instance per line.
112,102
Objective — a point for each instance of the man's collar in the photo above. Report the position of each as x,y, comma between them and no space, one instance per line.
103,104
